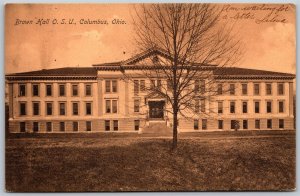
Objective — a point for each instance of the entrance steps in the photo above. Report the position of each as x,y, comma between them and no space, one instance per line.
157,127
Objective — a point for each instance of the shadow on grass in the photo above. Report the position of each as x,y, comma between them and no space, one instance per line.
149,165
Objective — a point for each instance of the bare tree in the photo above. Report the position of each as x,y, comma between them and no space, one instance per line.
187,43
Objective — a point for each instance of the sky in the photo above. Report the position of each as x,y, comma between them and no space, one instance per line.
267,32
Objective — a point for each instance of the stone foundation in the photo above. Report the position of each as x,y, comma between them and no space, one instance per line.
127,125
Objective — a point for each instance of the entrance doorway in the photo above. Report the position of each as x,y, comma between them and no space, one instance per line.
156,109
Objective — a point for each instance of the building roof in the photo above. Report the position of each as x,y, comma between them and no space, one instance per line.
91,73
134,63
236,71
65,71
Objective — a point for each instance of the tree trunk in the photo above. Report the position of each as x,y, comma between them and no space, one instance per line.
175,122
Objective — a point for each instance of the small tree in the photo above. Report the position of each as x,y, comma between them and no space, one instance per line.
187,42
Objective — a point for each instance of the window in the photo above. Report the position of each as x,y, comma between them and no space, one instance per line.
107,125
111,106
220,124
231,89
22,90
88,108
74,90
136,87
280,89
108,106
245,124
203,106
220,89
204,124
281,124
232,107
62,108
202,86
88,125
35,126
142,86
22,109
62,90
269,89
36,108
245,107
111,86
136,125
197,106
256,89
256,106
196,124
114,86
220,107
232,124
116,125
269,107
48,126
61,126
235,124
75,126
280,107
22,127
257,124
159,84
107,86
152,83
136,105
88,90
75,108
244,89
269,123
35,90
196,86
48,90
114,106
49,108
169,85
155,59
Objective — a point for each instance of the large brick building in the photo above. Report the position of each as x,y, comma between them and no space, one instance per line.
99,98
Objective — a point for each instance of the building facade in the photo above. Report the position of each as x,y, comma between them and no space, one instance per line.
99,99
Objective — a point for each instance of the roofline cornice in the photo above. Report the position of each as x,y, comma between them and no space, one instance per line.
146,67
264,77
51,77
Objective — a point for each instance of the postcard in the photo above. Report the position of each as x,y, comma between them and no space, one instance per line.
150,97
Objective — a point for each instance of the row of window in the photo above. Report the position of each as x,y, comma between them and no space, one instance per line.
61,108
111,106
109,125
113,125
49,90
199,85
49,126
235,124
111,86
140,85
269,108
256,89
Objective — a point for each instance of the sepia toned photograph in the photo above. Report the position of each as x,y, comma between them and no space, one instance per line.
150,97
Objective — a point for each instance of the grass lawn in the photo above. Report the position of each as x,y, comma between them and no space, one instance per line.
147,164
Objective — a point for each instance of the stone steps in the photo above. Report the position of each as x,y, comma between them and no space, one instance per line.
159,128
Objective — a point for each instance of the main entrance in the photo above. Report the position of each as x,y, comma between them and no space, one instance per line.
156,109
